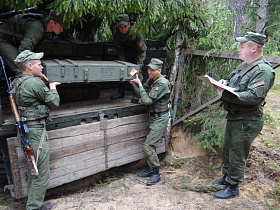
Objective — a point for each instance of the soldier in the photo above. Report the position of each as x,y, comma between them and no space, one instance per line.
23,32
129,49
34,100
155,93
252,80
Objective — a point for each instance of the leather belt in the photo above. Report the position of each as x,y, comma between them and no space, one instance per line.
158,114
36,123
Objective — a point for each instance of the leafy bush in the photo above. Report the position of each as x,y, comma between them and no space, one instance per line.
208,127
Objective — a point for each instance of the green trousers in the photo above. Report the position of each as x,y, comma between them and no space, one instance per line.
239,136
156,129
37,185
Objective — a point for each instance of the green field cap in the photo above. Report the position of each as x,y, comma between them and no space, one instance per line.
123,19
155,64
254,37
27,55
58,18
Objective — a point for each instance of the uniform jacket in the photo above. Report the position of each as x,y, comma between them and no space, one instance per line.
125,43
33,90
252,89
155,94
30,25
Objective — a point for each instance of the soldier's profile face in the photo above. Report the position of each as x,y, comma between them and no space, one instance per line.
36,68
244,51
123,28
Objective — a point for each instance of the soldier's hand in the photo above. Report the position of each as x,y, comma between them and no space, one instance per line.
44,79
136,81
53,85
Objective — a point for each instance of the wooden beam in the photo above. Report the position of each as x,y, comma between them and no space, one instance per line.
235,56
196,110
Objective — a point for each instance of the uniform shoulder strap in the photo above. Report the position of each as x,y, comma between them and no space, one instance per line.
249,68
19,81
158,79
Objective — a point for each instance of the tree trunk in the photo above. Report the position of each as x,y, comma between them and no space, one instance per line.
261,16
237,7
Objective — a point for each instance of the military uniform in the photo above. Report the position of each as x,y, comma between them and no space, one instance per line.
25,31
31,27
245,116
34,101
244,119
155,94
130,49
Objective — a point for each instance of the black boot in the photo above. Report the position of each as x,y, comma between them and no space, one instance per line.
155,178
134,100
120,94
221,181
46,206
229,191
147,173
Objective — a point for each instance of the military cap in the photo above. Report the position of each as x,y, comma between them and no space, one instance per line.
58,18
27,55
123,19
254,37
155,64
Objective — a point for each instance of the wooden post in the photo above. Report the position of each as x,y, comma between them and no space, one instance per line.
178,84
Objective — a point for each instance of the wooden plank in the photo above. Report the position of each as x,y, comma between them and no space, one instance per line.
15,167
61,143
75,145
132,157
126,129
74,130
125,137
72,168
196,110
235,56
124,149
127,120
72,177
80,157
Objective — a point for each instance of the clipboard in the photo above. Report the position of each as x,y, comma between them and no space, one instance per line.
209,80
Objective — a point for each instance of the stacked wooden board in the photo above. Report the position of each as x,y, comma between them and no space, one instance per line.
83,150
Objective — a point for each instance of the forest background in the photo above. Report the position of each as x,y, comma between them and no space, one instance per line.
209,25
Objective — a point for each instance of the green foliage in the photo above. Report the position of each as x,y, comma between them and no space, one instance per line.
208,127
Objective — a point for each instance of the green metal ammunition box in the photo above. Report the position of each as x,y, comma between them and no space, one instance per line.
78,71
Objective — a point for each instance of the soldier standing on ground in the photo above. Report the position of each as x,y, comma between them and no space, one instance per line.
34,100
252,80
155,94
128,49
23,32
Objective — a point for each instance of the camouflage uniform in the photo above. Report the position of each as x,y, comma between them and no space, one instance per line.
156,97
245,115
130,49
34,99
31,27
155,94
24,32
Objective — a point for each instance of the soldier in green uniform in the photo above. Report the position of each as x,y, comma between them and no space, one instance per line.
252,80
155,94
23,32
34,101
130,49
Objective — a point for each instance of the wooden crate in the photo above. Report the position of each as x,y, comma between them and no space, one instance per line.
80,151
